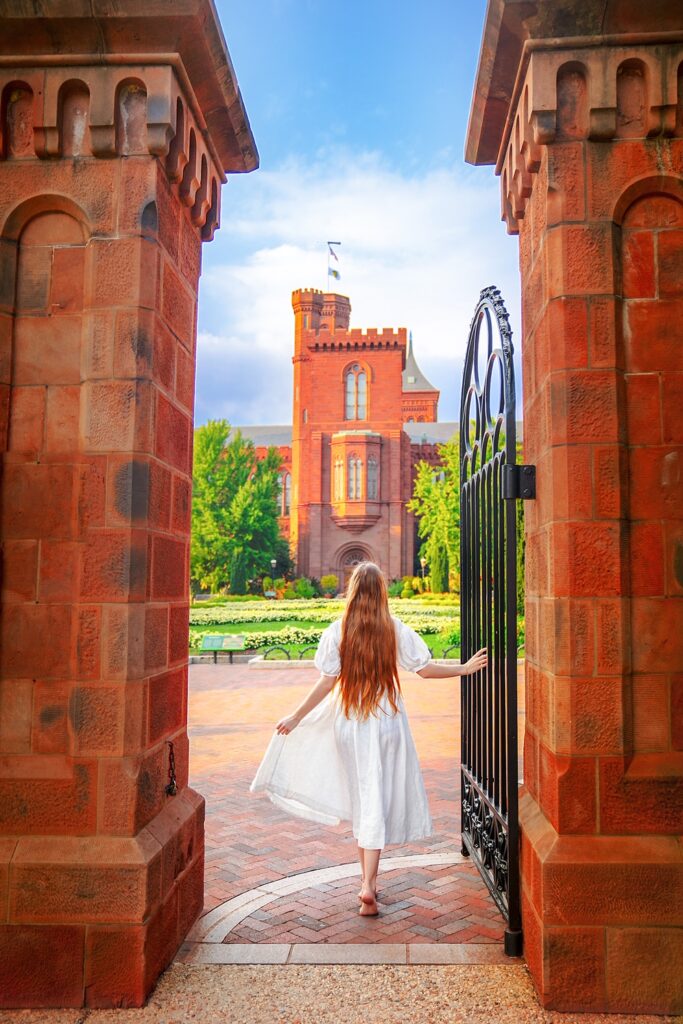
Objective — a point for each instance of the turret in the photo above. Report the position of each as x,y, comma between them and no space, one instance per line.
307,304
336,314
315,310
420,399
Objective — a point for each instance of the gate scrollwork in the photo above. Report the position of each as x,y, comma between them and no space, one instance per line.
489,608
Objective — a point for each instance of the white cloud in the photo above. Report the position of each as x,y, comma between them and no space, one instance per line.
416,251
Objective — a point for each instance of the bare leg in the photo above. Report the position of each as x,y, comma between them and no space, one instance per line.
361,858
369,884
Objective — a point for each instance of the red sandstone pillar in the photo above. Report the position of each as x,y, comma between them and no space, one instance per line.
111,164
588,138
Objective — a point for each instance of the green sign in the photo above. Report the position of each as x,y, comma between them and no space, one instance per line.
223,642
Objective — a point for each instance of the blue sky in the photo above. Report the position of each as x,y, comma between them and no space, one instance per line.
359,111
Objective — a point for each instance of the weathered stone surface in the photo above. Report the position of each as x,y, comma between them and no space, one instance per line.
41,966
88,880
590,175
100,252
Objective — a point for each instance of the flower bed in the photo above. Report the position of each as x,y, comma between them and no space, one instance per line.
438,624
323,611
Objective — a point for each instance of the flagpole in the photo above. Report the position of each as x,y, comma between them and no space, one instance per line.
330,271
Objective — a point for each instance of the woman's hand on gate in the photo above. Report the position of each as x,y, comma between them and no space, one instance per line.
285,725
476,662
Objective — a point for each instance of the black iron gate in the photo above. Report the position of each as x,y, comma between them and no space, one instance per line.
490,481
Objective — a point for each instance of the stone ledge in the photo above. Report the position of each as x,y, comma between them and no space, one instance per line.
610,880
199,954
84,880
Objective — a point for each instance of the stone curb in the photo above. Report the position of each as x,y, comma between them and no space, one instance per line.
202,954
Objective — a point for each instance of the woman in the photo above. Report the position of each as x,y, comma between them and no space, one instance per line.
353,757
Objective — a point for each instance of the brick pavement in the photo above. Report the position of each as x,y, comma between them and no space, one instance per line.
250,842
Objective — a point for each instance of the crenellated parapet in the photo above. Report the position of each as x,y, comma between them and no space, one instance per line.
589,93
123,110
357,340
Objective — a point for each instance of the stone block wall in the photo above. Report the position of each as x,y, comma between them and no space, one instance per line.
593,182
109,182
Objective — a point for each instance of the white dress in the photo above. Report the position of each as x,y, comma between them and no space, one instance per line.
332,768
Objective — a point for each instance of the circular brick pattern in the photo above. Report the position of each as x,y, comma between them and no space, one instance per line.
443,903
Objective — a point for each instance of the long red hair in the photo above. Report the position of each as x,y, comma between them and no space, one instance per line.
368,645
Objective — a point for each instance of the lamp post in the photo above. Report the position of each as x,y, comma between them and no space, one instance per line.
272,593
423,562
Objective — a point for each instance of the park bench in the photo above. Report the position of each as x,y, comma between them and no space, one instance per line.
222,642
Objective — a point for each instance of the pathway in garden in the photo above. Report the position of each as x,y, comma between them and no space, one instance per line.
279,889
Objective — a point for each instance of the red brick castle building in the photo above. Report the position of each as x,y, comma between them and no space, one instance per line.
364,415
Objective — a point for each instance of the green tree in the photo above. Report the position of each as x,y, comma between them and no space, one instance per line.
439,570
238,574
436,502
235,529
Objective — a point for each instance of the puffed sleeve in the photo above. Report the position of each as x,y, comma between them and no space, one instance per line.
327,656
412,652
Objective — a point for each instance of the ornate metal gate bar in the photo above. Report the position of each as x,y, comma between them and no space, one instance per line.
489,483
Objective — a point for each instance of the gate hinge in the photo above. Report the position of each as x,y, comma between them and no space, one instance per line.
518,481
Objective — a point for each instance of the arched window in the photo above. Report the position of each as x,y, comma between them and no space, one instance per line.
353,477
284,500
356,393
373,479
338,481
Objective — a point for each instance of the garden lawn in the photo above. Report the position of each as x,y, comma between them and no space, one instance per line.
297,625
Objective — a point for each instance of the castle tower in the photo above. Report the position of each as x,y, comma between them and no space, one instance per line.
420,400
350,457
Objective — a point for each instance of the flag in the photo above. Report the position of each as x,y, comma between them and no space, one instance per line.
334,273
332,252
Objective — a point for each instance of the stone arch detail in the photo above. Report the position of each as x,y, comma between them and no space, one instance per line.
74,118
177,152
189,182
572,101
651,252
77,111
16,120
18,218
348,557
664,185
41,276
632,99
131,117
46,344
202,201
